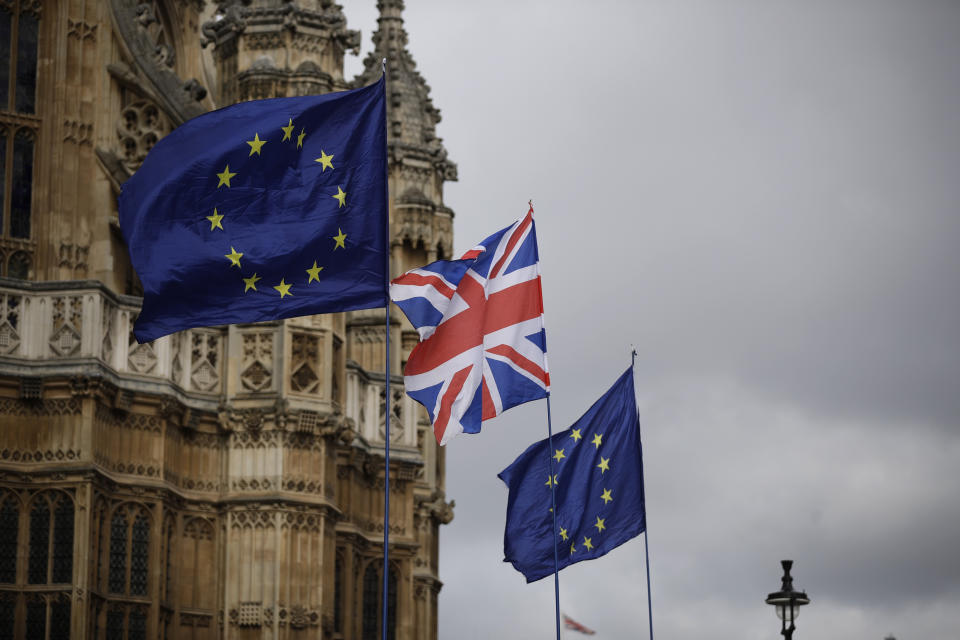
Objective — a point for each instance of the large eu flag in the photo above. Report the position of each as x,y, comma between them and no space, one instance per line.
598,474
262,210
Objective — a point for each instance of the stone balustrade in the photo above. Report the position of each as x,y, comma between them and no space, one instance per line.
80,328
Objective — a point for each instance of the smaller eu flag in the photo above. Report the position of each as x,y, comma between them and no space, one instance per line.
262,210
598,475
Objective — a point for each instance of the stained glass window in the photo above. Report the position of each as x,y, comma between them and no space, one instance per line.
118,555
392,604
36,618
138,626
101,526
338,593
370,602
22,184
26,91
9,531
3,139
39,541
114,625
63,541
7,610
6,24
138,556
168,579
60,619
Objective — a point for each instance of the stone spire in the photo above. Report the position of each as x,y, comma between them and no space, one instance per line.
422,226
412,118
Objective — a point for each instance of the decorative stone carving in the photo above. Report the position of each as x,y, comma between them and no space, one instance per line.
256,373
247,614
66,325
78,132
81,30
305,353
396,411
10,306
141,358
106,329
176,366
204,360
301,617
140,126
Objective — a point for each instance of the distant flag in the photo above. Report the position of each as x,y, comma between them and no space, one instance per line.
262,210
570,623
483,347
598,479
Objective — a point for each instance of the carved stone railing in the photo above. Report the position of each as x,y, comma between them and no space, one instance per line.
81,328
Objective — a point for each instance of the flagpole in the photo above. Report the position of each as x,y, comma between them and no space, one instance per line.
553,489
553,510
646,523
386,422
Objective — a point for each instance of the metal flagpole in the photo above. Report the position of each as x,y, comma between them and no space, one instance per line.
646,523
386,420
553,500
553,489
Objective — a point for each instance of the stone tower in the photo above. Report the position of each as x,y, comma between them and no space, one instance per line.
223,482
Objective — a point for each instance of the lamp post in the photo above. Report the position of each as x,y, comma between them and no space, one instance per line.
787,602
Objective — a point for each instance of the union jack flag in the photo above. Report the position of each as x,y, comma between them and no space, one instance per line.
570,623
482,344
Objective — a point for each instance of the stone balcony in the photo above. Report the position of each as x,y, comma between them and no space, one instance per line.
80,329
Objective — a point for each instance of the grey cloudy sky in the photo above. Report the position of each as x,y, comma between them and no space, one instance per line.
763,197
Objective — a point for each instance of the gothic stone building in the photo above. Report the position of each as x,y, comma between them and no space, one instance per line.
223,482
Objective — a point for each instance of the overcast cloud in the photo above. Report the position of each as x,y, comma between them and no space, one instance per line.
763,198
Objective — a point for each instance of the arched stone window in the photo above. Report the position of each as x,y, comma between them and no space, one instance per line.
127,573
338,593
51,539
19,41
372,613
129,551
36,565
19,30
371,593
9,534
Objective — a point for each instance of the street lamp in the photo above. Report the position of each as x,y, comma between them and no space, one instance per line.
787,601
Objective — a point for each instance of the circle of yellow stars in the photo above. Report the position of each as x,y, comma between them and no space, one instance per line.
216,219
598,527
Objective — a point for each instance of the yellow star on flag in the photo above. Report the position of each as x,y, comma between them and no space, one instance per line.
604,464
255,144
606,497
597,437
559,455
225,177
587,543
283,288
573,549
339,238
300,139
563,534
250,283
552,481
575,434
314,272
234,257
215,220
325,161
287,130
341,196
599,524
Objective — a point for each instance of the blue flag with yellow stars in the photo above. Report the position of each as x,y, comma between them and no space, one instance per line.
598,475
262,210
